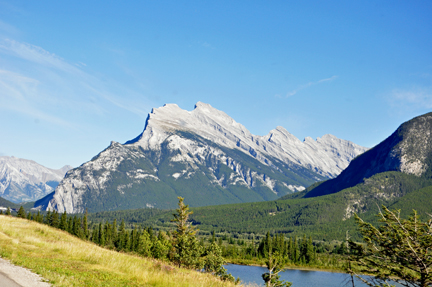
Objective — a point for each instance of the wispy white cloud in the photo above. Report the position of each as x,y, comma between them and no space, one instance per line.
416,98
207,45
302,87
37,55
5,27
44,84
18,93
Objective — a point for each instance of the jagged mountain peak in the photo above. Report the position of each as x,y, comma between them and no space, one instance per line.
327,156
203,155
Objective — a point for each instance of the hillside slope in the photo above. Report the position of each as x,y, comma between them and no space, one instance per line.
407,150
68,261
326,217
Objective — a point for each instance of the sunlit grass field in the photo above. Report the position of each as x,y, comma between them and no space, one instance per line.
65,260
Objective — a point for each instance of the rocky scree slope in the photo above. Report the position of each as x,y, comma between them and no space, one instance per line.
204,156
25,180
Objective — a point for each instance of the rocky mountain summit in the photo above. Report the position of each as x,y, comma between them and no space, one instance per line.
327,156
203,155
25,180
408,150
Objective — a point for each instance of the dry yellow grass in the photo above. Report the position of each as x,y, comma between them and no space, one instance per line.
65,260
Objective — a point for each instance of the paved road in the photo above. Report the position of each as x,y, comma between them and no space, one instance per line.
16,276
5,281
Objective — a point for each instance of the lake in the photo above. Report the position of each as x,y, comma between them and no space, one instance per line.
252,274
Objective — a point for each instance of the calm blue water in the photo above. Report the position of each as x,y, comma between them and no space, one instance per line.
299,278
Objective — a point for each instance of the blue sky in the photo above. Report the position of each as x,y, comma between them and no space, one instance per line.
75,75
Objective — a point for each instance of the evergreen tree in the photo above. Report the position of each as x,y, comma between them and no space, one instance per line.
54,219
8,211
121,240
309,252
47,219
161,246
85,225
1,211
187,250
114,232
29,216
145,244
39,217
63,221
95,235
220,241
213,238
101,240
70,225
134,239
108,235
76,226
274,263
213,262
21,212
296,250
399,249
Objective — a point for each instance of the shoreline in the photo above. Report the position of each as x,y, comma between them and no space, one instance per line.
303,268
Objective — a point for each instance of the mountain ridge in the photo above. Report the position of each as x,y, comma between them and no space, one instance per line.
26,180
204,154
407,150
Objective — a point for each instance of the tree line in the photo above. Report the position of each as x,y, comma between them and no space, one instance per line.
398,250
181,246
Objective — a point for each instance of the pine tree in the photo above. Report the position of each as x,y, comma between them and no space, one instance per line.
309,252
108,235
398,249
85,225
213,238
114,232
38,217
95,235
296,250
76,226
47,219
274,263
70,225
213,263
145,244
63,221
101,235
8,211
29,216
121,240
21,212
187,250
54,219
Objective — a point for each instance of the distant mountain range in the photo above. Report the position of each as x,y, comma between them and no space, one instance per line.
204,156
25,180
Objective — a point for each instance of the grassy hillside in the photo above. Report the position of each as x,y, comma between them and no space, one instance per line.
65,260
